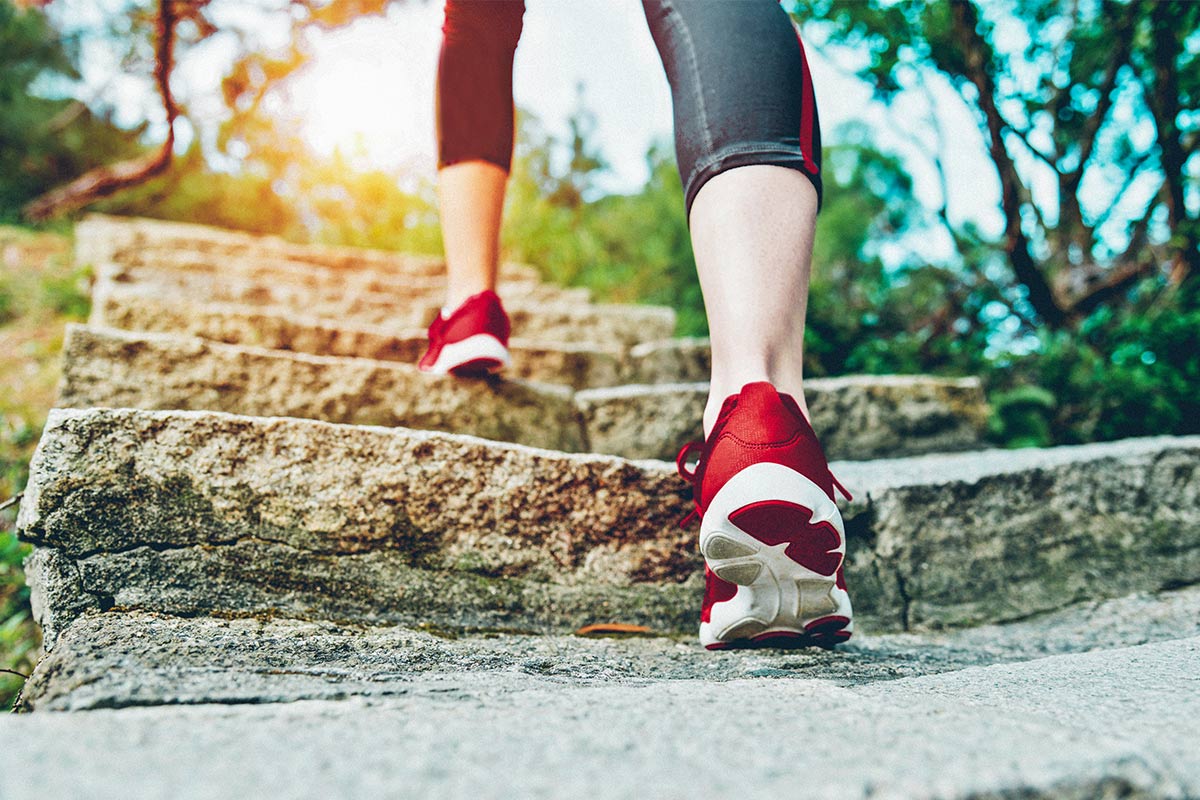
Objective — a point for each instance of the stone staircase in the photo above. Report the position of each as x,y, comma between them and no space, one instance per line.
260,531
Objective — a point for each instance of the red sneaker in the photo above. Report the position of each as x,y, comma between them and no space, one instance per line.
770,531
473,340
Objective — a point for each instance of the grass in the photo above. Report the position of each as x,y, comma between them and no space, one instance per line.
40,291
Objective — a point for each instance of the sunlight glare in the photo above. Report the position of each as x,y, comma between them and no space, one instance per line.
368,91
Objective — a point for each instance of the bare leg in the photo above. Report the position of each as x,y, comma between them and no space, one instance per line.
471,195
752,234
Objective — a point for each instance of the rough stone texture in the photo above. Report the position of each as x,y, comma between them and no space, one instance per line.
156,266
611,324
114,660
859,417
100,238
621,325
643,421
578,364
106,367
187,512
575,365
677,360
111,368
415,298
1120,723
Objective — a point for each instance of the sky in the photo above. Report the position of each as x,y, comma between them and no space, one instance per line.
376,79
371,86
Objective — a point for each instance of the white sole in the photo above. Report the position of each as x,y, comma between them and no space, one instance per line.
778,598
482,348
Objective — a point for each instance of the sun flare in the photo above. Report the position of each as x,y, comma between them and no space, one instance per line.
368,92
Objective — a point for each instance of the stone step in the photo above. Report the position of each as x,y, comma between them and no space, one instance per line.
1114,723
111,368
100,238
274,269
305,284
575,365
192,513
121,659
613,324
860,417
579,365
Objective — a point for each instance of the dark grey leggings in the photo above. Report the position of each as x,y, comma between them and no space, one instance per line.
740,85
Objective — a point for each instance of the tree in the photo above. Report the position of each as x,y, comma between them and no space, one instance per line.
253,73
1051,106
43,140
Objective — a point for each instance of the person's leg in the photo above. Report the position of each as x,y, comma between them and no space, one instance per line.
471,199
747,142
748,145
475,137
752,235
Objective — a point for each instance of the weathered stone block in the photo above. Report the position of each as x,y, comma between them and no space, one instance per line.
111,368
857,417
189,512
101,238
119,659
114,306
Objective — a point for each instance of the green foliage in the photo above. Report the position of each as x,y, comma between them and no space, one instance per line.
19,638
18,635
7,303
625,248
44,142
1132,372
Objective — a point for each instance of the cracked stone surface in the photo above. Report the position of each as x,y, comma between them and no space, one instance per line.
114,659
198,512
1112,723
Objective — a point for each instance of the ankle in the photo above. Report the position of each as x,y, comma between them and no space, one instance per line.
720,389
458,294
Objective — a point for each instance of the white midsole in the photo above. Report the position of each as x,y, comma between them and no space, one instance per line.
473,348
782,595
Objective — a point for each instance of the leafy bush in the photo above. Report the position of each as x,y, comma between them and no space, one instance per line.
1128,372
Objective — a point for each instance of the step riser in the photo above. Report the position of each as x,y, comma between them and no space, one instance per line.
105,368
264,285
610,324
371,588
580,366
888,416
157,264
101,239
156,509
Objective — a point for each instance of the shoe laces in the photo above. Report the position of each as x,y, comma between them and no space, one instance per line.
681,462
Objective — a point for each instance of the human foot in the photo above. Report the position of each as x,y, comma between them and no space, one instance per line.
471,341
771,534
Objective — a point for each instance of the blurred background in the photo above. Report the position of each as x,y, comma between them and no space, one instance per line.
1012,187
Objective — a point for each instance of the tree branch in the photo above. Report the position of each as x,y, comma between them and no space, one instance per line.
1163,99
977,53
103,181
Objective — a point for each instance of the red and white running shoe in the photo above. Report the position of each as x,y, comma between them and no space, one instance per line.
472,341
770,531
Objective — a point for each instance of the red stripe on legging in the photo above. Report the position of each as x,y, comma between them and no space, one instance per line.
808,103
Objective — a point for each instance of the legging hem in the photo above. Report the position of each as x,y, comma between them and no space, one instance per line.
744,156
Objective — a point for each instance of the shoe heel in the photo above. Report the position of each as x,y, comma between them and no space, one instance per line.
780,539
